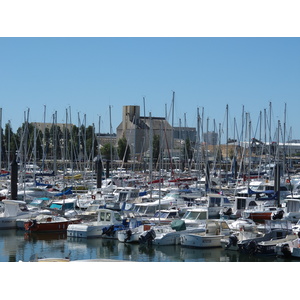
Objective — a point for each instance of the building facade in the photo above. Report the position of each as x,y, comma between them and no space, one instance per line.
137,130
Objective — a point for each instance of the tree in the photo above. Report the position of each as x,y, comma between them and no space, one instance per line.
105,151
187,150
123,149
9,142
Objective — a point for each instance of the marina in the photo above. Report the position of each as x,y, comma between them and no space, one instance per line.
157,167
149,208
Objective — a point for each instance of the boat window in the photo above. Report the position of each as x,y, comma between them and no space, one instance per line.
102,216
202,215
172,214
151,209
252,203
226,200
118,217
224,225
161,214
142,209
122,196
214,201
92,208
241,203
108,216
134,194
191,215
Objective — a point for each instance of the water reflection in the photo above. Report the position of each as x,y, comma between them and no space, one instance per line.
16,245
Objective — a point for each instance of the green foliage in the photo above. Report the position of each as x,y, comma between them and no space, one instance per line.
187,150
53,142
123,149
105,151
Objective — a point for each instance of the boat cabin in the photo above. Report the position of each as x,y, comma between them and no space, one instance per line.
195,216
107,216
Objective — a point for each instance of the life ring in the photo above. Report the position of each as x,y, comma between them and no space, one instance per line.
93,197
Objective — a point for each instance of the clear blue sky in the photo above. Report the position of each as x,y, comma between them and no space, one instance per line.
90,74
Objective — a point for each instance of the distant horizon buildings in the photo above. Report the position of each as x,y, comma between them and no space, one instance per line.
136,129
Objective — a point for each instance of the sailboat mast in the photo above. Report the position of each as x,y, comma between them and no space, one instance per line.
44,140
0,138
110,132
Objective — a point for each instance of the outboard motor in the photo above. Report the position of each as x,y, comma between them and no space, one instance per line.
278,215
286,251
232,241
128,235
147,237
252,247
228,212
108,231
33,224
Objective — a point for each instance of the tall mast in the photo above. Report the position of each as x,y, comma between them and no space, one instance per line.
110,132
226,144
8,146
172,139
0,138
151,153
71,139
44,140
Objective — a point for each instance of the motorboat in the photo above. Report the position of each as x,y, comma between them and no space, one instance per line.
126,197
291,208
64,207
296,227
273,230
240,203
211,237
269,247
171,235
133,233
49,223
108,221
260,213
231,242
12,210
289,248
215,203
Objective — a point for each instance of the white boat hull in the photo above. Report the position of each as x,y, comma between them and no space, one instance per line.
88,231
288,249
8,223
201,240
174,238
123,237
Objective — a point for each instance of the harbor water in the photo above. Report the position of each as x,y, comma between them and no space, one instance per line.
18,245
98,268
